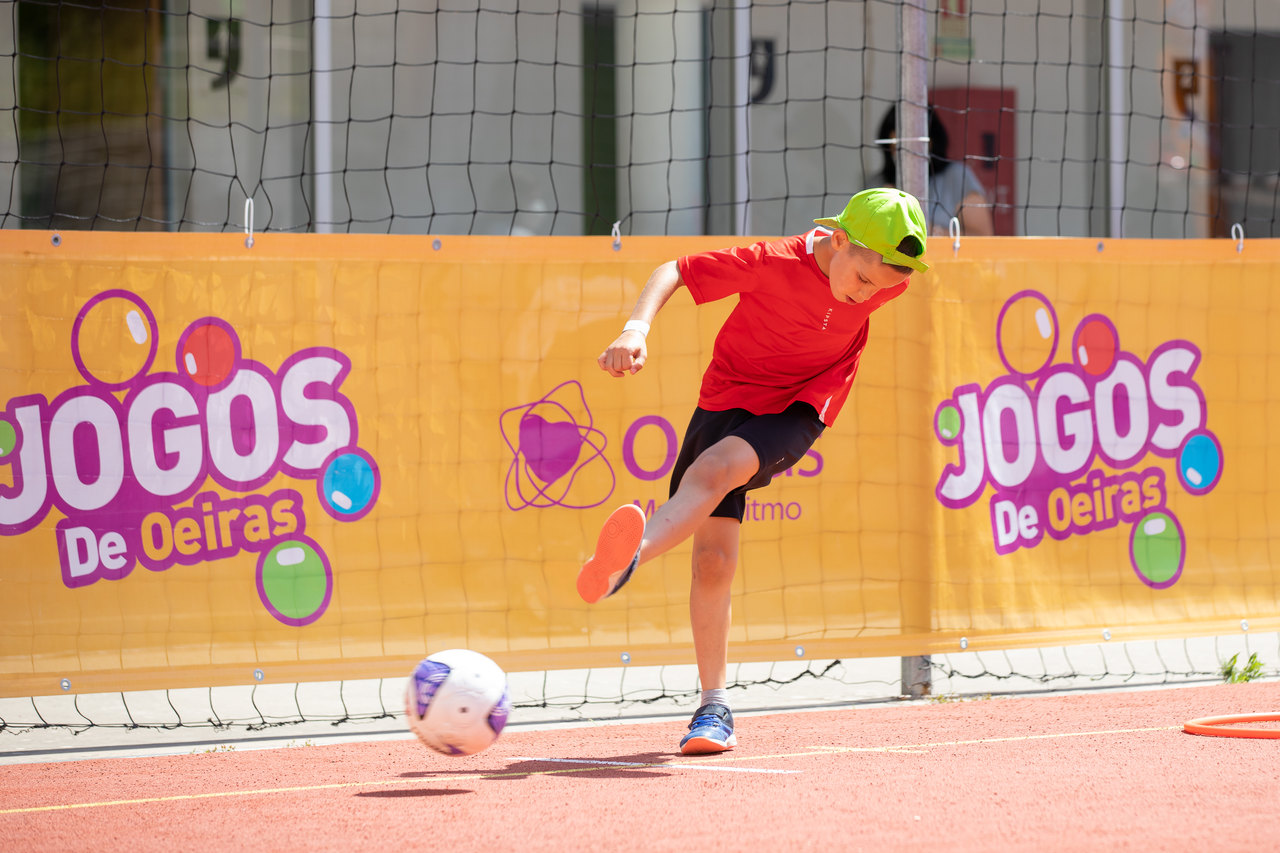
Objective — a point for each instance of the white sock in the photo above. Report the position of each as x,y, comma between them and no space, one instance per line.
718,696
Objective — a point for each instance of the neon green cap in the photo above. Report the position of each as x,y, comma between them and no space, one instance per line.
880,220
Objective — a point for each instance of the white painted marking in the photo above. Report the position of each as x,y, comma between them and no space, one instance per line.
658,765
340,499
291,556
829,750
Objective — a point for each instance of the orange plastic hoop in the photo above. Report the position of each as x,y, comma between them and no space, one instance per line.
1225,726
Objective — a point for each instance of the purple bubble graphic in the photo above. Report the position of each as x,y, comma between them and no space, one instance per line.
136,330
553,441
1027,333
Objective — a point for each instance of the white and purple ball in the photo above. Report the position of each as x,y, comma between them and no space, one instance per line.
456,701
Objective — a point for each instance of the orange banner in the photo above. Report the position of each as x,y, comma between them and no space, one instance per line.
324,457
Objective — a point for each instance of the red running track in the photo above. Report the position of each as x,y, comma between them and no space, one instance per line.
1105,771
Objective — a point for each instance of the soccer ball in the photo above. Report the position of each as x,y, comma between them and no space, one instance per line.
457,702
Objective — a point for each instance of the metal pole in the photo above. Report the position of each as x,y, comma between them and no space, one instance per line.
1117,110
741,125
322,114
913,117
913,157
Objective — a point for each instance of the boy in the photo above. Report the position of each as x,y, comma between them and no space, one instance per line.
780,370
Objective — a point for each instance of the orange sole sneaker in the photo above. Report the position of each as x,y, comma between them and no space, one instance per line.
616,556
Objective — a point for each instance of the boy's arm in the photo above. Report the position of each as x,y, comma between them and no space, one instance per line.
627,353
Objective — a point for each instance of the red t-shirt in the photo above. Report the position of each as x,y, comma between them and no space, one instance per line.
788,340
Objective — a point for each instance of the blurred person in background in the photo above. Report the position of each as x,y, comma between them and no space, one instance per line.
954,189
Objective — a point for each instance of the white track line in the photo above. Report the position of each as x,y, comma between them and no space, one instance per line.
672,765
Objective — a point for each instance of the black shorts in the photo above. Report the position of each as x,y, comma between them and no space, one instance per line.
779,440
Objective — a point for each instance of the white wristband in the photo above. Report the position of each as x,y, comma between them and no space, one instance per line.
637,326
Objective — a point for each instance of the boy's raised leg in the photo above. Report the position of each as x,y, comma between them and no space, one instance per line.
616,556
727,464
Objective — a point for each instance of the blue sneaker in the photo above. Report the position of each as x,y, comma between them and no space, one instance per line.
710,731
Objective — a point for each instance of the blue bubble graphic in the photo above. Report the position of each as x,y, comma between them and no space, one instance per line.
349,485
1200,463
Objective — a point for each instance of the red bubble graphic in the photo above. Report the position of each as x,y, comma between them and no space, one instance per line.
208,354
1096,346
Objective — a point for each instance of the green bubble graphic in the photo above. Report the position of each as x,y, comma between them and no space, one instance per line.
948,422
294,581
8,438
1157,548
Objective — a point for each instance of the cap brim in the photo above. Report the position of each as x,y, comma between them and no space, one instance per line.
896,257
892,257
